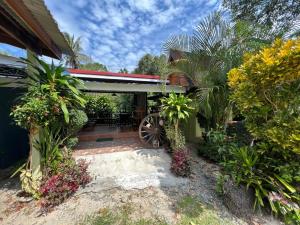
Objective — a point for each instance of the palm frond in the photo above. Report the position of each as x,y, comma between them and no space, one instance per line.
180,42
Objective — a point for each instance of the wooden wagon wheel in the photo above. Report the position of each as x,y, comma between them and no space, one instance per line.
151,130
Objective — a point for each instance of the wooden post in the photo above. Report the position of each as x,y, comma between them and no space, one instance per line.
35,155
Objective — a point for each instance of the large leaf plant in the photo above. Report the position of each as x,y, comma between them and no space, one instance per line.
176,108
49,95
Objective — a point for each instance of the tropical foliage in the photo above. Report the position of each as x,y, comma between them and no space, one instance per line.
31,181
280,15
180,165
216,146
50,93
153,65
47,109
49,147
216,46
59,185
98,105
75,59
176,108
93,66
265,89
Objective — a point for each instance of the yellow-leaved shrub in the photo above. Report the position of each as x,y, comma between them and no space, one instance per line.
266,90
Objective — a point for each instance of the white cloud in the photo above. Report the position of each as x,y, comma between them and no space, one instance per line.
117,33
143,5
166,16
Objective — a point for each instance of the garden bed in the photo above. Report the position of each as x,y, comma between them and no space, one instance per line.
149,202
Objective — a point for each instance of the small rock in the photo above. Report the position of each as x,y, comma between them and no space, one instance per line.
193,176
25,199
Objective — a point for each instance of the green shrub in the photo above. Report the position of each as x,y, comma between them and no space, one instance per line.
265,89
91,105
217,145
78,119
71,142
258,170
221,179
36,108
98,105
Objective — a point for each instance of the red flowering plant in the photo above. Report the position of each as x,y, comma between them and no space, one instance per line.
61,184
180,165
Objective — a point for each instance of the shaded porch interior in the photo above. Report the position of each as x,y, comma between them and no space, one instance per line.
110,129
118,130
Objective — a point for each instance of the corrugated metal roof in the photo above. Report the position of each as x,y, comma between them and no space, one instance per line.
40,11
105,73
118,77
28,24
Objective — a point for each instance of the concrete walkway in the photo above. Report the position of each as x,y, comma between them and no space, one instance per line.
131,170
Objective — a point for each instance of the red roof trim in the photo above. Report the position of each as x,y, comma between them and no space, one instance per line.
102,73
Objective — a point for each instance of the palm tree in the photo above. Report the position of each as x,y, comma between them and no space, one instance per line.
208,54
75,44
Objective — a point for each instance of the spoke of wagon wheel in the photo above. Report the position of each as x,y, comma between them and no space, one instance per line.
147,135
157,137
149,139
154,120
147,129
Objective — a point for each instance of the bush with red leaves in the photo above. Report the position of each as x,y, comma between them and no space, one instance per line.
180,165
69,176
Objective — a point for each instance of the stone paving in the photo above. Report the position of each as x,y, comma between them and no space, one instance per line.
131,170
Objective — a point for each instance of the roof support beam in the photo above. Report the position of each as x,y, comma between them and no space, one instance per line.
12,30
22,11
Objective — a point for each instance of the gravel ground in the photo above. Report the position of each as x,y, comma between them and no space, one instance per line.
149,201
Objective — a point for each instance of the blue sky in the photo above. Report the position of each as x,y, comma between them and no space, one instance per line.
118,33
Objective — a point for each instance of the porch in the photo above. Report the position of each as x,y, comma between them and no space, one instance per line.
119,130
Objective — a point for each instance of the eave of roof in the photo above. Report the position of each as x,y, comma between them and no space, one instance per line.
117,77
29,25
45,18
104,73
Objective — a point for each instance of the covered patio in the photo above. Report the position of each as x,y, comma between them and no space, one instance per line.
119,131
